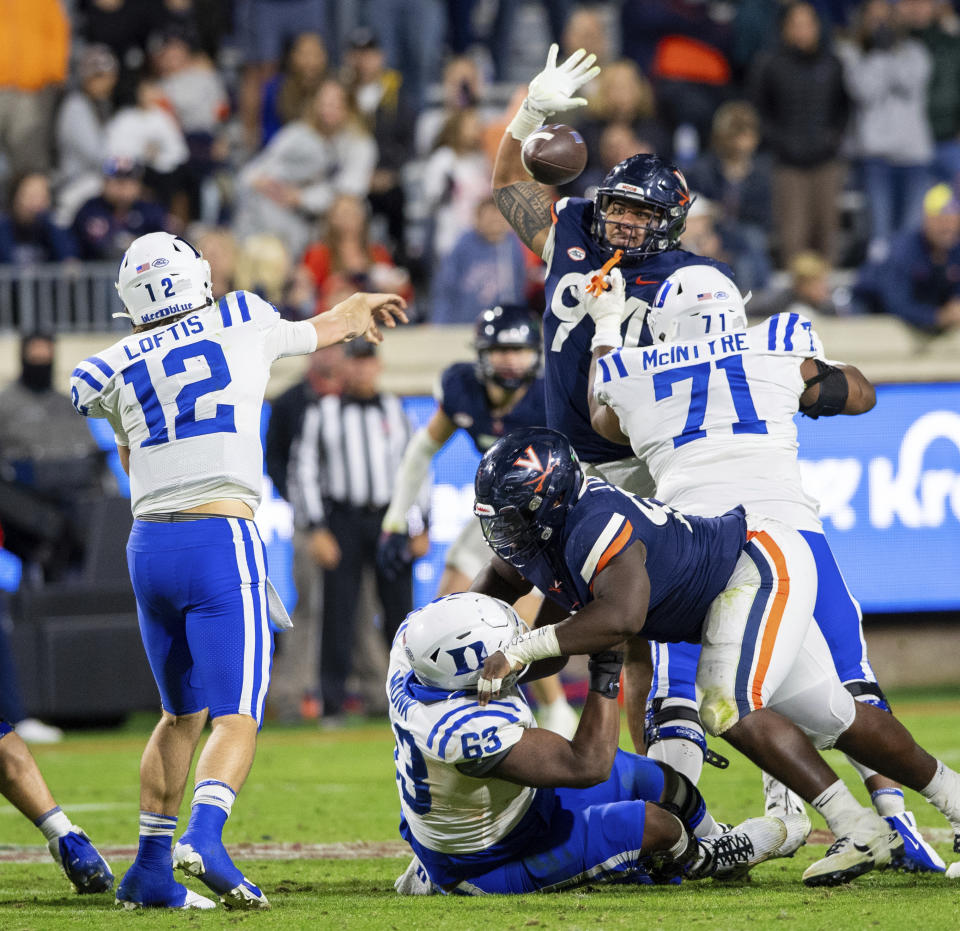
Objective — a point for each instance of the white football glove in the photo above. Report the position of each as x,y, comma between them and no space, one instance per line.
552,90
604,301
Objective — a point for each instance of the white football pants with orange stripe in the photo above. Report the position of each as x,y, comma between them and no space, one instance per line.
761,647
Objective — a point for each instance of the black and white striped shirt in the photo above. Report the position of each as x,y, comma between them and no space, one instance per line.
349,453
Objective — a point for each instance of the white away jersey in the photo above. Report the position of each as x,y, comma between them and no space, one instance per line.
713,418
186,399
447,811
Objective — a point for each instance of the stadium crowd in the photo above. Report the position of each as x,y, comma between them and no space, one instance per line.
331,144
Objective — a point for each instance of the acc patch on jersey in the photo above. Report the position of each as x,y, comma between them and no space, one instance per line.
576,253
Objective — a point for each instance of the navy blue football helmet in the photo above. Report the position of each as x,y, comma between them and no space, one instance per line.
525,484
648,181
507,326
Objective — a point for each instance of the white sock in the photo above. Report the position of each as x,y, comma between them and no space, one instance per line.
943,792
839,808
212,792
888,802
53,823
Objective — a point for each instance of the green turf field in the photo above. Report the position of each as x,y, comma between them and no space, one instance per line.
310,788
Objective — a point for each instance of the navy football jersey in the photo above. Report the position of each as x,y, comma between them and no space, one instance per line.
463,398
571,252
689,559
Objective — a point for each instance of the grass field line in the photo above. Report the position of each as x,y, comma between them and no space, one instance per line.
358,850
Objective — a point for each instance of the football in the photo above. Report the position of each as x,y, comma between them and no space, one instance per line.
554,154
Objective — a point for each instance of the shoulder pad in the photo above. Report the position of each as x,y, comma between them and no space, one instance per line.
791,332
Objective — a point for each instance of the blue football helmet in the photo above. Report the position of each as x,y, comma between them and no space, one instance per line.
525,484
648,181
507,326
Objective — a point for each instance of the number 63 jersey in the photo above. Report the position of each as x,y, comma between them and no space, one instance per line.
186,399
714,418
445,742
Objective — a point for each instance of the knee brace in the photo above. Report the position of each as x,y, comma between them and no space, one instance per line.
668,719
681,797
869,693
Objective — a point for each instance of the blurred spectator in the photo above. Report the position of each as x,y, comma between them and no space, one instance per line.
734,175
621,94
265,29
682,46
348,456
377,92
581,26
198,96
886,75
920,279
799,92
29,234
287,94
106,224
305,166
294,678
80,124
936,24
263,266
34,45
462,86
707,234
486,267
219,248
412,34
47,453
456,179
148,134
346,255
809,292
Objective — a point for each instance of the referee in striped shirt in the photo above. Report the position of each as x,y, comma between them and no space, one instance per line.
344,466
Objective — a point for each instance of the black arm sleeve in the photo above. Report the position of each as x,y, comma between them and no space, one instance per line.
834,391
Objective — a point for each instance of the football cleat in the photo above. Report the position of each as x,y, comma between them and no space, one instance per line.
213,867
415,880
144,888
849,857
798,826
779,800
81,861
918,856
731,855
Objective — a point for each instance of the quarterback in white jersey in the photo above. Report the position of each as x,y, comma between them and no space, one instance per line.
492,804
710,407
183,394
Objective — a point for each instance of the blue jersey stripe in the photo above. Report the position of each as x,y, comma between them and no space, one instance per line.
242,304
618,363
772,333
752,631
606,371
225,311
100,364
445,718
788,332
88,378
487,712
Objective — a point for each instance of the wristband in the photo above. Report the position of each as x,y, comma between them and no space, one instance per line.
538,644
526,120
606,333
605,673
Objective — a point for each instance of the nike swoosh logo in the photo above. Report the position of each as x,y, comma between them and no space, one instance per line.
644,281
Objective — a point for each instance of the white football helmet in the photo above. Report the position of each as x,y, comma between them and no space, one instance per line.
162,275
447,640
696,301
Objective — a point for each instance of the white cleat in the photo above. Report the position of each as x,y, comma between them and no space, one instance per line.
798,826
779,800
735,853
853,855
193,900
415,881
559,717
